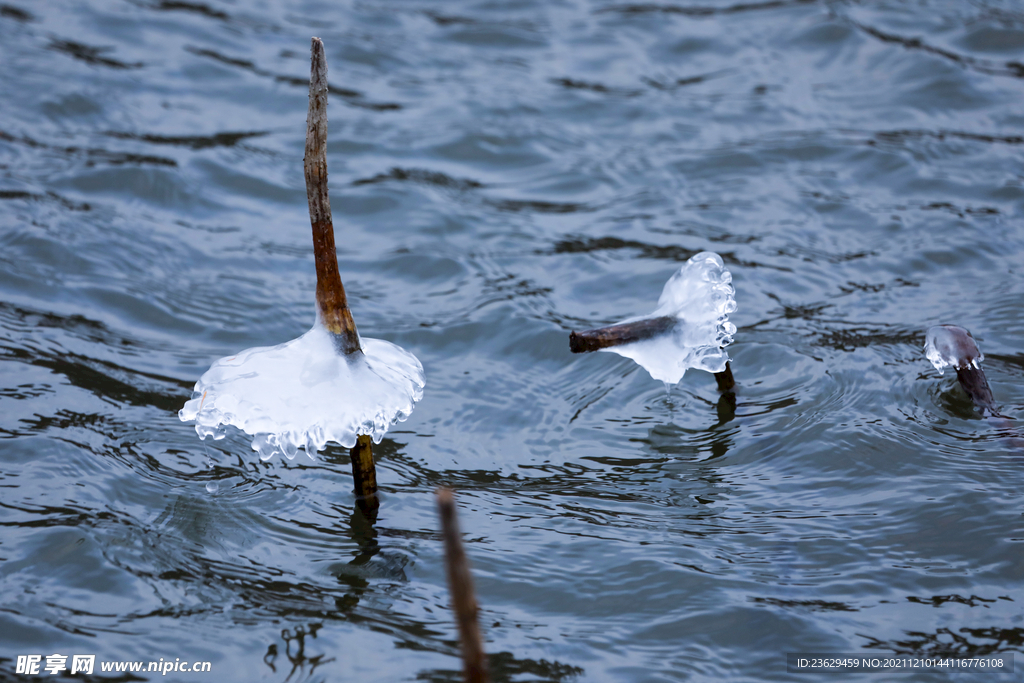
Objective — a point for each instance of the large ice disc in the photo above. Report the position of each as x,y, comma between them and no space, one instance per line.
302,394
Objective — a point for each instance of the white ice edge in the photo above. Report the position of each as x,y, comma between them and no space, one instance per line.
302,394
700,296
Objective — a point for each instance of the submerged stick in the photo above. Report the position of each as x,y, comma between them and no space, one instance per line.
364,472
460,585
332,305
975,384
725,380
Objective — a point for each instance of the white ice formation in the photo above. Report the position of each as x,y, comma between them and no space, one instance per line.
701,297
951,345
303,393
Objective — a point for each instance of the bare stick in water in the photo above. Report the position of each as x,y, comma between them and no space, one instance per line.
460,584
331,302
725,380
364,472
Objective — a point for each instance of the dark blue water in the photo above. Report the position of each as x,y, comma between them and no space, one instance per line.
503,173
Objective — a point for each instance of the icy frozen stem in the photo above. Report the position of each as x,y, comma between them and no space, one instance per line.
700,297
947,345
303,393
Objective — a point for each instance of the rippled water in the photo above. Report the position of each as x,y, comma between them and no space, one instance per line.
504,173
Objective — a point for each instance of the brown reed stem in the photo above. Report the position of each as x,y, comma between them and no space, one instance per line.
616,335
332,305
460,585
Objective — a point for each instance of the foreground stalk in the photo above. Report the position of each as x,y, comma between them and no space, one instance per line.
460,585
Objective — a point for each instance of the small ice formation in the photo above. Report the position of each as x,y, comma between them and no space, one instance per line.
951,345
947,345
303,393
700,297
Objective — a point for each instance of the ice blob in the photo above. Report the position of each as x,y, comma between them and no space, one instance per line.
950,345
689,329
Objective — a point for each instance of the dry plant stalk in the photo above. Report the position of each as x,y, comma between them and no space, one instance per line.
332,305
460,585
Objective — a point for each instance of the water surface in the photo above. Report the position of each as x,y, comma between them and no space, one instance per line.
502,174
